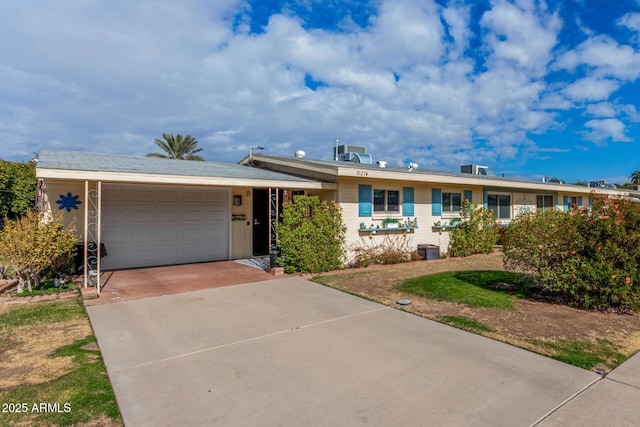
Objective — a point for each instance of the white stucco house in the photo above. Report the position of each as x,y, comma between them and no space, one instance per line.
150,211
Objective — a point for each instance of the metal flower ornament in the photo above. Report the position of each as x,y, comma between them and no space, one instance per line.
68,202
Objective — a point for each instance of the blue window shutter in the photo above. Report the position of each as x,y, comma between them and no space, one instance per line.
436,202
365,207
407,200
579,202
565,202
468,195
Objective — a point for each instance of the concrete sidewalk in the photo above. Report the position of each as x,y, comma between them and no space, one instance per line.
613,401
291,352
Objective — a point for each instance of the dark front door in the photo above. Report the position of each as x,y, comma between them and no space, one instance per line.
261,209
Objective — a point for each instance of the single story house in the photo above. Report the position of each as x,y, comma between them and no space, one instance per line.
150,211
424,202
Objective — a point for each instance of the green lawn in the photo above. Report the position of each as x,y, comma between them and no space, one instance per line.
465,323
489,289
79,391
582,352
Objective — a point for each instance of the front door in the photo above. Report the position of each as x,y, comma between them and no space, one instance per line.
261,208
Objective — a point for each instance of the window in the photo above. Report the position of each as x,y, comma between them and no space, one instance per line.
451,202
500,205
544,203
573,203
386,200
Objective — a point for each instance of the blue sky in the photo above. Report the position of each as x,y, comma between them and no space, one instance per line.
530,88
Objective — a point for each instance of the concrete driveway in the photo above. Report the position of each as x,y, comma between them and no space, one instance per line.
288,352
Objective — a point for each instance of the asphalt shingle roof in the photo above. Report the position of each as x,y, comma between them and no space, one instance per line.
80,161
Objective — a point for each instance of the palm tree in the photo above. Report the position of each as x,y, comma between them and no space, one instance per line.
634,178
177,147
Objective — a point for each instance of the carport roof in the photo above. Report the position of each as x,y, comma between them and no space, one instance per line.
110,167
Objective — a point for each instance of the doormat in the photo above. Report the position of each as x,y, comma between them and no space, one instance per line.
259,263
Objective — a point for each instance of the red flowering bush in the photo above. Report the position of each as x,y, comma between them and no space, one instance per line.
538,243
591,257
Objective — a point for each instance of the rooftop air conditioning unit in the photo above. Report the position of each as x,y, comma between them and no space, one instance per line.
352,153
601,184
477,170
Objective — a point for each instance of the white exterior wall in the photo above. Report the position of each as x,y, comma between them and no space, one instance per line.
56,188
424,234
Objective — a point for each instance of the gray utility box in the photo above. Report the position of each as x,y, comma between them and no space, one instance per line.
429,252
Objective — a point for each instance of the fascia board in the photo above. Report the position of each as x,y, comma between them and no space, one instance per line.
179,180
368,173
327,169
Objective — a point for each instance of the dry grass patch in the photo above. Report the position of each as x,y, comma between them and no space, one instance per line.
48,356
26,361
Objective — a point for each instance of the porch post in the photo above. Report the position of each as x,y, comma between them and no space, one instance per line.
92,235
98,207
93,244
86,234
273,252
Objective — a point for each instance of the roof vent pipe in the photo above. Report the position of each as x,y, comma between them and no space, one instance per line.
382,164
299,154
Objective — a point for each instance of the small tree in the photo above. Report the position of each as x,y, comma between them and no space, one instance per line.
311,236
476,233
31,245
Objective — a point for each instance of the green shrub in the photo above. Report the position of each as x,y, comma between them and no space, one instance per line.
538,243
476,233
590,257
311,236
603,269
17,188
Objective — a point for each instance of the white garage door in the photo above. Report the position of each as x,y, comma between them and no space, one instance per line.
153,225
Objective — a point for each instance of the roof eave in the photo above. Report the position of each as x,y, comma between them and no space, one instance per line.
142,178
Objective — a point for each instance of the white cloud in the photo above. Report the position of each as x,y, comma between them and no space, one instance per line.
555,150
457,19
591,89
521,34
601,109
605,129
604,57
631,21
114,77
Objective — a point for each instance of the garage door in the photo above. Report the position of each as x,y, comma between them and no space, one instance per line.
153,225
